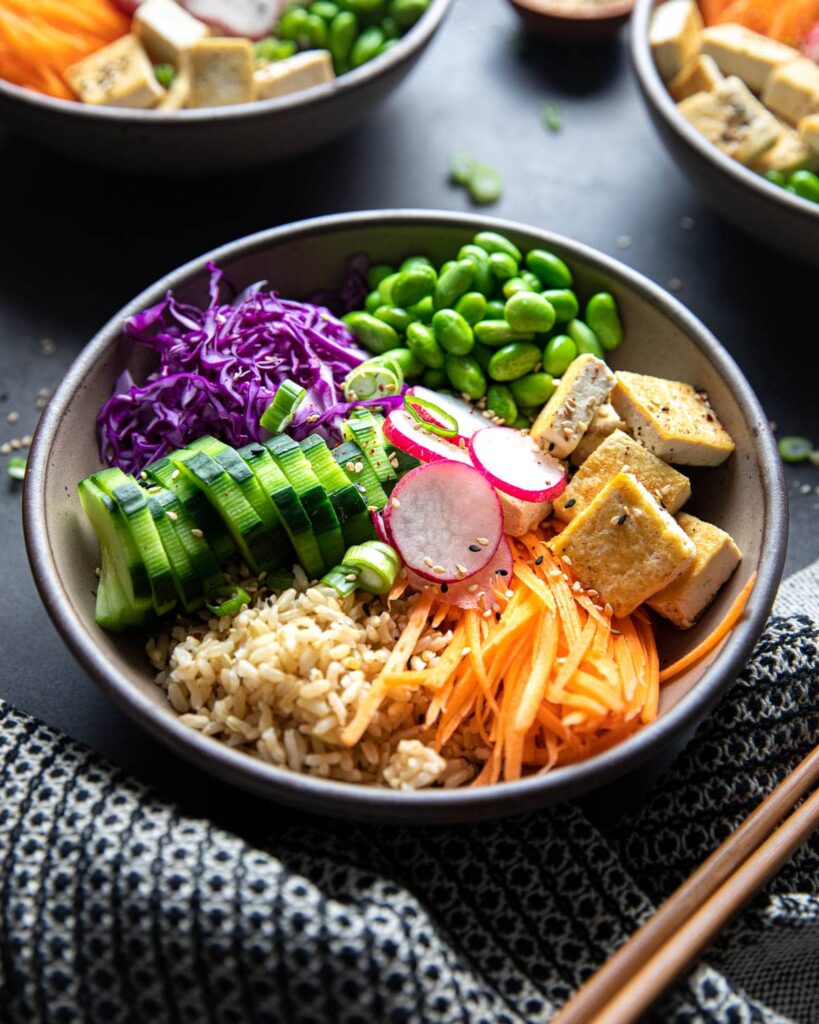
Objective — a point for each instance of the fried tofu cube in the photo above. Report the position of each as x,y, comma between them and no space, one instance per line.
165,29
788,153
809,132
620,453
294,74
624,546
699,75
118,75
606,421
176,98
674,35
519,517
792,90
733,119
672,419
219,72
744,53
687,597
583,388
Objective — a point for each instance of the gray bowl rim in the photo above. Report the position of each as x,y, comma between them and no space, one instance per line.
656,92
345,799
411,42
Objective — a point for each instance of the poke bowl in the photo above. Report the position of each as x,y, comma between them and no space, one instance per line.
351,737
301,95
750,188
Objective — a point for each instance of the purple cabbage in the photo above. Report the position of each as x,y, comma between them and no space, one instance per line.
219,369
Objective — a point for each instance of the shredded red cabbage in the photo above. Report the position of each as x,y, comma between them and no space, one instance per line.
219,369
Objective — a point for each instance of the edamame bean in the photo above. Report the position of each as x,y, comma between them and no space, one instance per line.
409,364
531,279
465,375
422,343
373,301
805,184
472,307
373,334
376,274
515,285
482,354
494,310
535,389
514,360
452,332
396,317
413,284
484,279
385,289
434,379
407,12
603,318
585,339
503,266
423,310
292,24
325,9
564,302
501,401
498,332
491,241
315,29
528,311
390,28
366,46
416,261
341,36
364,6
453,281
776,177
551,269
559,353
521,423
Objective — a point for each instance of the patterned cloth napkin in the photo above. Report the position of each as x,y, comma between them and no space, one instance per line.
116,905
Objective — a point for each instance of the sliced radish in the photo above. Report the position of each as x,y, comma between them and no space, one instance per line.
445,520
250,18
477,591
514,464
469,420
379,527
407,434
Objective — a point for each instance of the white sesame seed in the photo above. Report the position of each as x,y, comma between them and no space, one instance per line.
510,593
196,532
175,474
13,416
351,577
395,503
98,572
466,651
567,560
472,588
624,242
439,569
576,587
428,562
483,541
48,346
172,516
460,569
15,443
5,448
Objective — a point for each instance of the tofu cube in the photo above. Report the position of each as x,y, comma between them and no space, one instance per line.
674,36
294,74
219,72
788,153
671,419
606,421
583,388
687,597
809,132
733,119
748,55
166,29
792,90
699,75
624,546
118,75
176,98
519,517
620,453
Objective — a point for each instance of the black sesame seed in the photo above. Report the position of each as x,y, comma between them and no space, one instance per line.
474,547
444,588
502,572
551,446
622,519
366,608
539,560
570,502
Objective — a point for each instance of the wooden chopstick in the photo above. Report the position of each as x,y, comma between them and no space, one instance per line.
684,924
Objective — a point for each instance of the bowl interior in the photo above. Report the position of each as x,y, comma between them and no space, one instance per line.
661,339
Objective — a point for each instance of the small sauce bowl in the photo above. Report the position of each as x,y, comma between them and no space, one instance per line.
573,21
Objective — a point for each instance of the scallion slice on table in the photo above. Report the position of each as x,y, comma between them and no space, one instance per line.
16,467
431,416
795,449
235,597
278,416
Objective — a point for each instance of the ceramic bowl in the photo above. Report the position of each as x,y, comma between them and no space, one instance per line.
217,139
745,496
579,22
780,219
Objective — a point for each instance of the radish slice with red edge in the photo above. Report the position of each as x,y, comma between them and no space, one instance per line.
513,462
379,527
469,420
477,591
408,434
250,18
445,521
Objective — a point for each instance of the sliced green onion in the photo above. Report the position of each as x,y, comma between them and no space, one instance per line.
278,416
551,118
485,185
376,563
343,579
436,421
795,449
373,380
280,580
238,597
16,467
461,168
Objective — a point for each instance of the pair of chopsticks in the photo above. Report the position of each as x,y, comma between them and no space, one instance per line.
670,941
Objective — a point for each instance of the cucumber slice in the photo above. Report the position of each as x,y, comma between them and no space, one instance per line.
187,583
278,416
400,461
360,473
363,429
202,559
347,501
165,472
132,501
253,540
278,488
299,472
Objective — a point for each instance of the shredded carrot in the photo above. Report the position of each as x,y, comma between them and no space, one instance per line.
711,641
788,21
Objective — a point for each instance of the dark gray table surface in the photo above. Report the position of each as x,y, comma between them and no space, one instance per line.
77,243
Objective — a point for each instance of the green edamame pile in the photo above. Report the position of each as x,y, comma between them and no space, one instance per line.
354,31
802,183
494,324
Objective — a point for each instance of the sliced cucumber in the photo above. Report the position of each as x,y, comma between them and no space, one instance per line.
364,430
400,461
360,473
186,581
346,499
199,552
296,467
